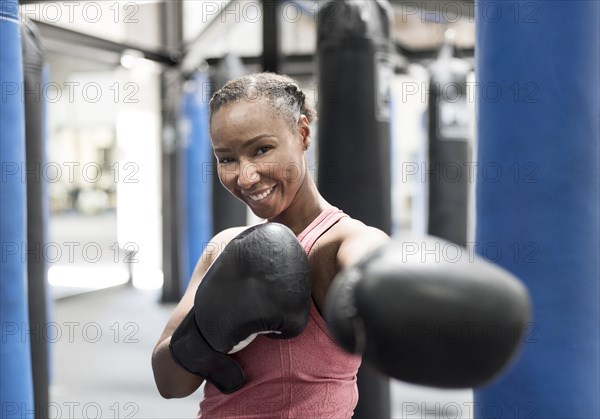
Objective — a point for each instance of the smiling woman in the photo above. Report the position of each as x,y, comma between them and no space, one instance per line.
259,134
260,131
251,322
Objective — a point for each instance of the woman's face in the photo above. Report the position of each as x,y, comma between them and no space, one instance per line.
260,159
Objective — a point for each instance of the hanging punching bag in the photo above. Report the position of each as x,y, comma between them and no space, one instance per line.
355,73
538,196
37,211
196,219
228,211
354,70
16,396
449,130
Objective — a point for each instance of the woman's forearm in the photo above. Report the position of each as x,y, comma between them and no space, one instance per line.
172,380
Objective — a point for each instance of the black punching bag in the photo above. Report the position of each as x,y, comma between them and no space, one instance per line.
228,211
449,132
37,212
354,69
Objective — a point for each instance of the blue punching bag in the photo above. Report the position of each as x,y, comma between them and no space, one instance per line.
37,211
538,196
196,222
16,388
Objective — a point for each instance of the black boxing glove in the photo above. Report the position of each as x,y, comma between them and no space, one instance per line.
260,283
429,318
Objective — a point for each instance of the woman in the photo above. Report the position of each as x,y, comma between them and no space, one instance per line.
260,130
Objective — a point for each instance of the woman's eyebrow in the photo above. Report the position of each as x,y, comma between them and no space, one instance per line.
246,144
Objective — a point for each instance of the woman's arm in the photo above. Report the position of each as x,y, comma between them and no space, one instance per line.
171,379
358,242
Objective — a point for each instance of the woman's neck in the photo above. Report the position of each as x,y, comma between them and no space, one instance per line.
306,206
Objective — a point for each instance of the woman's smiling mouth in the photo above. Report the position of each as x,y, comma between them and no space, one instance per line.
261,196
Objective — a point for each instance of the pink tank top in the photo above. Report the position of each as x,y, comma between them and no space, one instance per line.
307,376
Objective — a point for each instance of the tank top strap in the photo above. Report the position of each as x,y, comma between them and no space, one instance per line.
319,226
308,238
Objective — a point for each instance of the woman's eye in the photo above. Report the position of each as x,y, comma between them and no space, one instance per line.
264,149
225,160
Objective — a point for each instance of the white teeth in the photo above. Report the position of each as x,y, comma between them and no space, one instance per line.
261,196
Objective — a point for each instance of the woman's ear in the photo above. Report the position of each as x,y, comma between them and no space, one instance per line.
304,130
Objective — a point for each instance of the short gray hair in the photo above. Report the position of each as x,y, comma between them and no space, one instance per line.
279,91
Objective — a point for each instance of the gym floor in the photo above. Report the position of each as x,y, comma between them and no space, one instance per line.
102,345
105,360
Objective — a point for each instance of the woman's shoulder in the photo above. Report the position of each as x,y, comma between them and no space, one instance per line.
348,229
355,239
228,234
344,244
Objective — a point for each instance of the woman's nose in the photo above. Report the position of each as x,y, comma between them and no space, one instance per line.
248,175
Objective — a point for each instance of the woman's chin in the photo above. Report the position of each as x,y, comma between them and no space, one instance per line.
264,214
266,208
